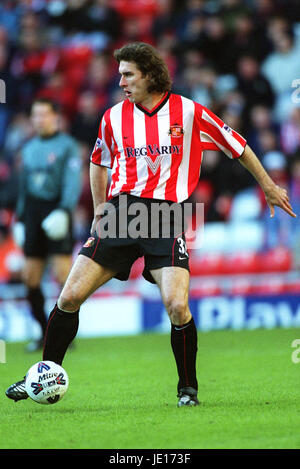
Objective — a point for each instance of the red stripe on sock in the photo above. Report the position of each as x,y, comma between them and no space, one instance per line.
49,321
184,358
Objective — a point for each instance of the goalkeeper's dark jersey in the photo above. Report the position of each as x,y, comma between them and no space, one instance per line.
51,171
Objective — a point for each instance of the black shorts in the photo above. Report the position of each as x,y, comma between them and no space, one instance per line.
37,244
118,250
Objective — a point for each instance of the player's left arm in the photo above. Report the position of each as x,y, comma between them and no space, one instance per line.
275,195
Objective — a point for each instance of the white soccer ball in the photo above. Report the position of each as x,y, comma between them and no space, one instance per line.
46,382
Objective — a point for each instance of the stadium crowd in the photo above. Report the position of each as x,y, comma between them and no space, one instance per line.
240,58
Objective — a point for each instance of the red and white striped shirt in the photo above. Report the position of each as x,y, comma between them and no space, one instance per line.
158,153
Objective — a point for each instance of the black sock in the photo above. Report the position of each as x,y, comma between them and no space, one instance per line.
36,300
184,346
61,329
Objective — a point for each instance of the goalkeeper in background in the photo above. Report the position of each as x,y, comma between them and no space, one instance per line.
50,186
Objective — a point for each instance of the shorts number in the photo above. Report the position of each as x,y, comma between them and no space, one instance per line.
182,247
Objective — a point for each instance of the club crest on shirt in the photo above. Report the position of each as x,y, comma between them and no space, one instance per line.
90,241
176,131
51,158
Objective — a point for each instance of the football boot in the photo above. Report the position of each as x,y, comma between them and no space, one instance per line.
17,391
187,397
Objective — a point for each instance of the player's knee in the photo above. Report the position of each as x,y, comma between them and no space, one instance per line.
69,300
178,311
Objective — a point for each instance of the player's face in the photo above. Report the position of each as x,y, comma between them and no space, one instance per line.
133,82
44,119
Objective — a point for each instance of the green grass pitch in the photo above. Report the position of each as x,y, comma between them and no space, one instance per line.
122,395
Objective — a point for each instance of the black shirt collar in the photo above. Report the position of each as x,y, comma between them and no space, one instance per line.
156,108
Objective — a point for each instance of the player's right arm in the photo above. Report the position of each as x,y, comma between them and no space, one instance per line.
216,135
98,181
101,159
275,195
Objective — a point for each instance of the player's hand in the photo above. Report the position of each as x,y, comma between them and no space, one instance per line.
18,233
95,222
98,214
278,196
56,224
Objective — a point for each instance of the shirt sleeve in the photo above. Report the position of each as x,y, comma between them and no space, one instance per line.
102,153
217,135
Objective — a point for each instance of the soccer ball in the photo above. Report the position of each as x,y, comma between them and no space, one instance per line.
46,382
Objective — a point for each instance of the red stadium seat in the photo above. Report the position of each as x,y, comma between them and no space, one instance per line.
75,56
241,263
207,264
205,288
241,286
293,287
273,286
275,260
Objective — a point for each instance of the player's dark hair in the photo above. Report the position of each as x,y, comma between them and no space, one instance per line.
149,62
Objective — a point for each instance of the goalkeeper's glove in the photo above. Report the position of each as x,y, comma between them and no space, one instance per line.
56,224
18,233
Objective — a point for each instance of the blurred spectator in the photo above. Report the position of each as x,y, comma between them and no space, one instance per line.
254,87
100,79
10,87
137,18
290,132
10,14
8,186
281,67
11,257
18,131
193,32
278,230
97,22
73,62
295,200
101,17
57,88
166,45
295,181
248,38
167,18
268,141
200,84
85,124
32,63
216,45
231,10
233,102
262,132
